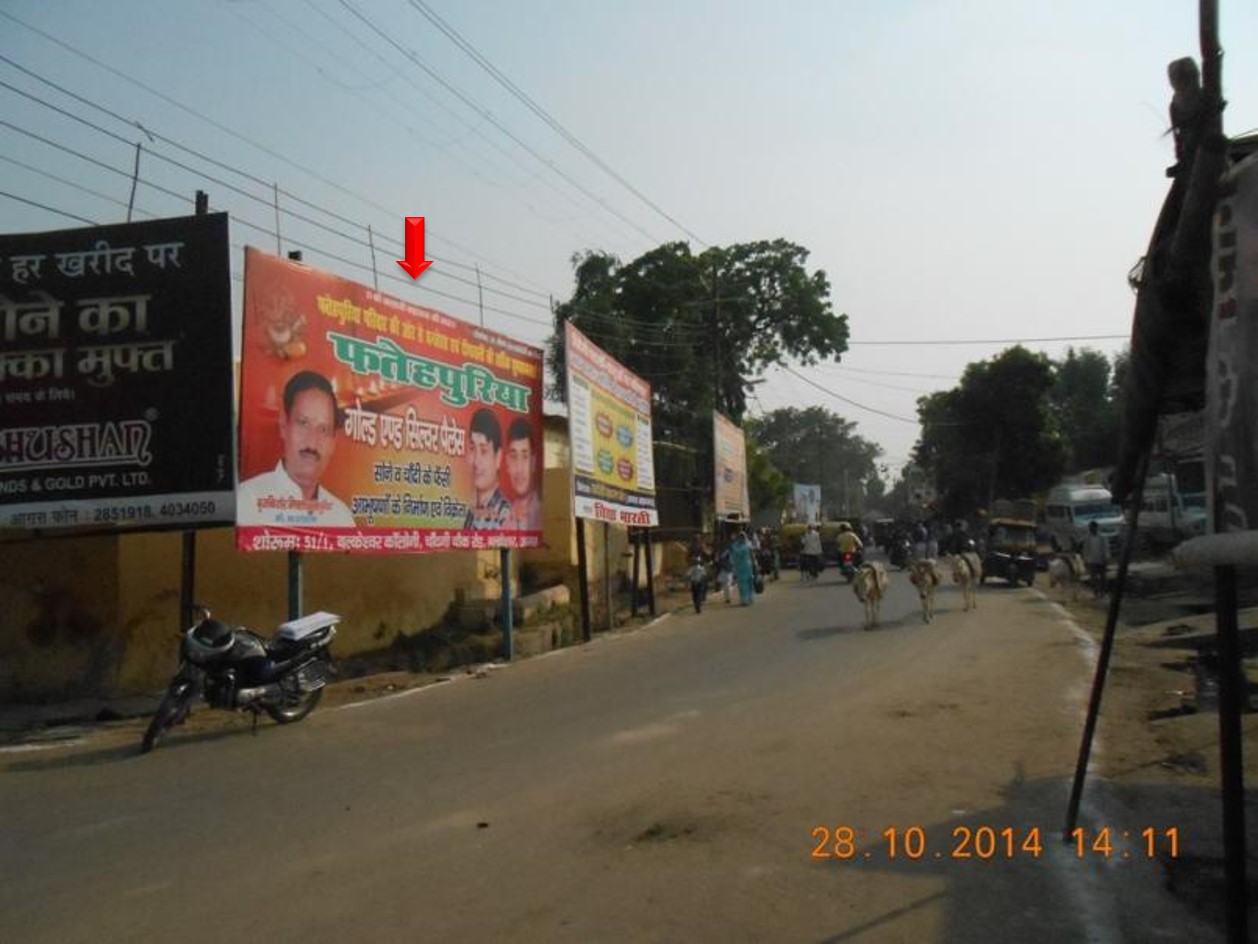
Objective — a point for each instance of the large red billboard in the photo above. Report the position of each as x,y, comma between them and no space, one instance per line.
369,425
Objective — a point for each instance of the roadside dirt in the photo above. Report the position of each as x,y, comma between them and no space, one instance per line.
1157,738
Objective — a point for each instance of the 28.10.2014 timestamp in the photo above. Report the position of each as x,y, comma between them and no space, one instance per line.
986,843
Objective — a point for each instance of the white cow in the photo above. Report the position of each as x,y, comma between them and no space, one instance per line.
1067,571
967,573
925,576
870,586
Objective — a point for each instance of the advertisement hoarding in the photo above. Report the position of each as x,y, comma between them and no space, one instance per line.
730,458
1232,364
368,425
609,422
807,504
116,376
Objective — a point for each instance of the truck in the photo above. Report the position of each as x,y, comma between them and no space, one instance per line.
1168,515
1070,507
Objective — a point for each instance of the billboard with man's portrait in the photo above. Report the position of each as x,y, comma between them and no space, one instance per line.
370,425
115,376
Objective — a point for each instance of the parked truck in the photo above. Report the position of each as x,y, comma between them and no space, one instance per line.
1071,507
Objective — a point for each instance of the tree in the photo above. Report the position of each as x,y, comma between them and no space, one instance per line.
698,328
768,488
816,446
1082,399
995,435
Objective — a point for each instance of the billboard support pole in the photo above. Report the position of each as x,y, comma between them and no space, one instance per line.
504,572
188,549
650,571
583,581
294,584
187,578
294,557
635,541
607,573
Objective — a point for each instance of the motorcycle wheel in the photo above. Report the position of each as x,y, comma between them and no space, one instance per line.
172,709
296,708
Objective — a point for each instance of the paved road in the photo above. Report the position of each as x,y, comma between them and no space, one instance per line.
678,783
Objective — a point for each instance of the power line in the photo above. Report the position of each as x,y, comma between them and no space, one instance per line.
443,149
154,136
489,117
940,341
893,373
358,241
859,406
225,129
541,113
44,206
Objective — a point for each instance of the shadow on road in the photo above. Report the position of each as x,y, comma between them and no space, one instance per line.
1148,855
130,750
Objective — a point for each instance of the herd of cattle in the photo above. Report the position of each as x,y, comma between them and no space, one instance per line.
871,580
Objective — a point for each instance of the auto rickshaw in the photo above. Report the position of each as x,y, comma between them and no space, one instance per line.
1011,551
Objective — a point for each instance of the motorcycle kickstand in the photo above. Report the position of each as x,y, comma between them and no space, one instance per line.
254,730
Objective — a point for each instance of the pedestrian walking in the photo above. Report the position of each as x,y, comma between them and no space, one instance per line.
744,568
1095,551
724,573
698,577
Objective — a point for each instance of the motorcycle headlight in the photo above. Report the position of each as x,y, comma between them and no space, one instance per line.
209,639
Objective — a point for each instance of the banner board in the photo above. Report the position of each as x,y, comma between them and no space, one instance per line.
1232,364
730,458
807,504
116,376
609,422
368,425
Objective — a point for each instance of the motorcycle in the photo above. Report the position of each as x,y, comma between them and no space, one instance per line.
849,563
810,566
767,562
901,553
238,670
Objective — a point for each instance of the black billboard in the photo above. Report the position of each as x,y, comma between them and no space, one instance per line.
116,376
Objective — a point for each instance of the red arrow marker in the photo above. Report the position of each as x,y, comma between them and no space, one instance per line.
414,263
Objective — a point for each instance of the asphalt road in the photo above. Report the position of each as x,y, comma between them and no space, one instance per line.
692,781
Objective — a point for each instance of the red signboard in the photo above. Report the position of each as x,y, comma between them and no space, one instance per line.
368,425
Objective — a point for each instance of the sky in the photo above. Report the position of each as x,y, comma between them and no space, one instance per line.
966,172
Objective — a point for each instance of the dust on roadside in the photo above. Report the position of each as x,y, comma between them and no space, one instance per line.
1155,762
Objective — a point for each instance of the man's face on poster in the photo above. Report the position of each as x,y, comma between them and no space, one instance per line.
520,465
308,435
485,461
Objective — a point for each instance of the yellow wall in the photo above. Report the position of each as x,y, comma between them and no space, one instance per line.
100,615
59,636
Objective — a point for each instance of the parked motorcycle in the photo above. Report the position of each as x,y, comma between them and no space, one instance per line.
236,669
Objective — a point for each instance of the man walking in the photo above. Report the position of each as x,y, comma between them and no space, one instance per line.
1095,553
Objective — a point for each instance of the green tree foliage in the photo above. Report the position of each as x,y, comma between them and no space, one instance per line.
766,485
1082,398
995,435
698,328
815,446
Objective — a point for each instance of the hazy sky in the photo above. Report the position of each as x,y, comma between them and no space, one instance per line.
961,169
